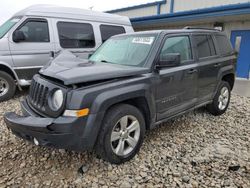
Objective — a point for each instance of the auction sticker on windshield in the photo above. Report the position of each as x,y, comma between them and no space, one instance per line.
143,40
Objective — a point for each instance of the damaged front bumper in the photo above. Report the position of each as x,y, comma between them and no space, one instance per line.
61,132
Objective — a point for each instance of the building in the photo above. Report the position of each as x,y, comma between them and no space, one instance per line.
231,16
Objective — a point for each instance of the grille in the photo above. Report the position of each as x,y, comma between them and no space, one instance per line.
38,94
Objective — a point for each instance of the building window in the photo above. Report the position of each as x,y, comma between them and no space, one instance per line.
179,44
35,31
76,35
205,46
225,46
108,31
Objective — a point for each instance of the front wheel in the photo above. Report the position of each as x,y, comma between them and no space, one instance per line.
7,86
122,134
221,99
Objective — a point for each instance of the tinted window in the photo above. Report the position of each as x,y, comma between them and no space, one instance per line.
35,31
211,45
180,44
76,35
224,44
205,46
108,31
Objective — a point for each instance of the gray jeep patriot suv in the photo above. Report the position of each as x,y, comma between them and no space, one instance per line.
129,85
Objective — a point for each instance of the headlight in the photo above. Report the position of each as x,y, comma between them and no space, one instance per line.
57,99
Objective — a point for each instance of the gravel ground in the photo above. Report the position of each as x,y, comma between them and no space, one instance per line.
194,150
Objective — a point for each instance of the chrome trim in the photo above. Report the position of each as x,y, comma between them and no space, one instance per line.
28,67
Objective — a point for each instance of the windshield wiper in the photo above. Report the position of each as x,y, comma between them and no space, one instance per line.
104,61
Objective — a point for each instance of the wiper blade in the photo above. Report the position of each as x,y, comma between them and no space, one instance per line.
104,61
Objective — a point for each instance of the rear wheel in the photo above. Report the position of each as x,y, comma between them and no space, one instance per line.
122,134
221,99
7,86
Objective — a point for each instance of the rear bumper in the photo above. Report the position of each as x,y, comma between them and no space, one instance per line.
61,132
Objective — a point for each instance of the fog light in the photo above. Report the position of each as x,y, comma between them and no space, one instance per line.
36,141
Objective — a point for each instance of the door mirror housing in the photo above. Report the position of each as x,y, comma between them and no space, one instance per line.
18,36
169,60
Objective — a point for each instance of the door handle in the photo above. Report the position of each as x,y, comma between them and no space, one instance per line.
191,71
216,64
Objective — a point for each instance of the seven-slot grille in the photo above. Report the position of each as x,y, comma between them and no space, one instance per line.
38,94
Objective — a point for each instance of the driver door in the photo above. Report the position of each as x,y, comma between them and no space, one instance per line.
34,51
177,86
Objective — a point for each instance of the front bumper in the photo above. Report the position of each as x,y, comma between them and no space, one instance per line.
62,132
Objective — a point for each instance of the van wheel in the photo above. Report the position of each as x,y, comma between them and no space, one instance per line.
122,134
221,100
7,86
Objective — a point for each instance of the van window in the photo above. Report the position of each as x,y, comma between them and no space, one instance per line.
108,31
179,44
205,46
225,46
35,30
7,26
76,35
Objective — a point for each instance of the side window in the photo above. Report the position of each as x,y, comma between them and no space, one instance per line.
205,46
35,31
225,46
211,45
108,31
76,35
179,44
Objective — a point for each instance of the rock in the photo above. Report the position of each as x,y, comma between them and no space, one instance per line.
234,168
83,169
185,179
125,184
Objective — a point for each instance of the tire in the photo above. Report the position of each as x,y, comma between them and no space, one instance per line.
112,125
7,86
217,107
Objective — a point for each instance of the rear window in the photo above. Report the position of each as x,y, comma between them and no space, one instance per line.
108,31
224,45
205,46
76,35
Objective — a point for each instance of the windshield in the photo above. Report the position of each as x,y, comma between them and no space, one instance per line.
129,50
7,26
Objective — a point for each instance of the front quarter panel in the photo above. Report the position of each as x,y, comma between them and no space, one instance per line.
100,98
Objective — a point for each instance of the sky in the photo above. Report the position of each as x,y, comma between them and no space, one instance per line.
10,7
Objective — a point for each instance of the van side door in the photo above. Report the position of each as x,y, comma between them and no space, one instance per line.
208,66
33,51
177,86
79,37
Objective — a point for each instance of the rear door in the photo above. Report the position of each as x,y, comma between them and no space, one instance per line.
208,66
34,52
177,86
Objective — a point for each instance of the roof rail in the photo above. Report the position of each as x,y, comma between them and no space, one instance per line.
202,28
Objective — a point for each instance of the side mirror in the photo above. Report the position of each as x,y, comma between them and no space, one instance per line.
169,60
18,36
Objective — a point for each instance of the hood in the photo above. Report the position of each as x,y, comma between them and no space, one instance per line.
72,70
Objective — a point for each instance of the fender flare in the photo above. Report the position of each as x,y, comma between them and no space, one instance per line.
230,69
109,98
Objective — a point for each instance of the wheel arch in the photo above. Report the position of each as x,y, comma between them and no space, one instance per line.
230,78
8,69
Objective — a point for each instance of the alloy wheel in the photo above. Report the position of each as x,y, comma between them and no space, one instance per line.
125,135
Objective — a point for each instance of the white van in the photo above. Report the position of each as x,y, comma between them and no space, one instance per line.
34,35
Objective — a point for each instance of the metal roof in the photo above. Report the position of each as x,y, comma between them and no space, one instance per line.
73,13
